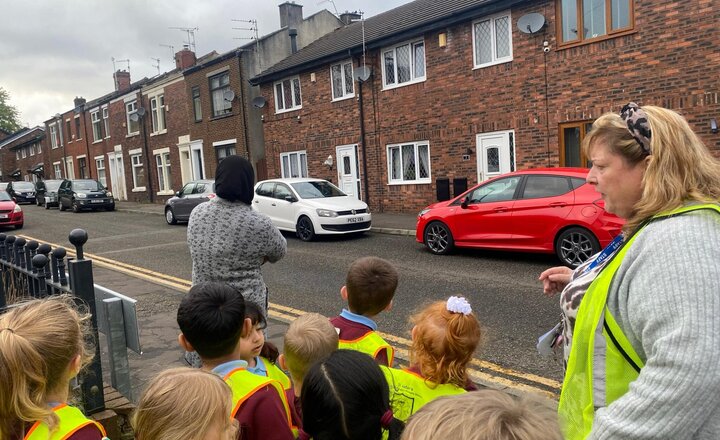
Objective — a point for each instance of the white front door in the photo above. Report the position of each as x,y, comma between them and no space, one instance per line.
347,166
117,175
494,155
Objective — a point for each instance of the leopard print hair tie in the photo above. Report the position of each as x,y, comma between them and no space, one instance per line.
637,124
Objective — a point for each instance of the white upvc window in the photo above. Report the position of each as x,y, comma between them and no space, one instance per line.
32,149
100,165
341,80
287,95
23,151
133,122
96,125
492,40
69,168
106,121
294,164
57,169
409,163
17,154
53,136
162,161
138,172
403,64
157,108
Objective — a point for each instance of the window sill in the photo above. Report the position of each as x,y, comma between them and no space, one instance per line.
138,189
571,44
215,118
97,142
409,83
107,137
492,63
410,182
343,98
166,193
157,133
288,110
129,135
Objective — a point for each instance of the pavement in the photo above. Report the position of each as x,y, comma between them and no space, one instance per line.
158,300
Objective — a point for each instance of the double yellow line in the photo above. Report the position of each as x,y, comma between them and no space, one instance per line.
482,372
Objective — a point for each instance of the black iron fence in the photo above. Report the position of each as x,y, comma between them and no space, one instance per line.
28,268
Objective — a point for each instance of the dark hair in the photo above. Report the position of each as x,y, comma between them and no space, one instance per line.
344,397
235,179
211,317
269,350
371,284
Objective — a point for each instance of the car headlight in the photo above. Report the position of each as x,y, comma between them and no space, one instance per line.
423,212
109,194
80,195
326,213
17,208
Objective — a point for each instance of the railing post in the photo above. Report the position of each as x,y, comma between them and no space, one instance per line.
58,266
3,253
20,252
82,286
39,262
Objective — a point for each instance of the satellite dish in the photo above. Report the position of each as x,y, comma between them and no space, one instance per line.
531,23
228,95
134,117
361,73
259,102
141,111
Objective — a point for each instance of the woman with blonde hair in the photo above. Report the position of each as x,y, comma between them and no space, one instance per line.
444,338
185,403
641,335
43,345
484,415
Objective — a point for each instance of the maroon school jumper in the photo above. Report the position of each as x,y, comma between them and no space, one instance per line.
262,416
295,407
351,330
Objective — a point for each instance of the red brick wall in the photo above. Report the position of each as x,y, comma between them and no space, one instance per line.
670,61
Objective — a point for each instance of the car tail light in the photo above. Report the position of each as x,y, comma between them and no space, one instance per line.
211,196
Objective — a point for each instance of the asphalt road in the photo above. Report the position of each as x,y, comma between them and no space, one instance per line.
502,287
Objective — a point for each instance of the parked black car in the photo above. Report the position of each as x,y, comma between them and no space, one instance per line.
46,192
21,191
178,208
84,194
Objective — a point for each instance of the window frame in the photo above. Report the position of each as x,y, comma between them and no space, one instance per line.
157,114
281,99
57,169
416,157
82,167
346,94
197,103
228,147
128,113
78,134
609,32
106,121
219,89
413,79
97,127
135,166
53,137
100,167
164,172
301,165
583,126
495,60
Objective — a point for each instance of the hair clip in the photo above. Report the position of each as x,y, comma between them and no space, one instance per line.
637,124
386,419
458,304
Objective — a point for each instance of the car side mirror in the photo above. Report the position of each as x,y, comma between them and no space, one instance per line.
464,202
177,194
290,199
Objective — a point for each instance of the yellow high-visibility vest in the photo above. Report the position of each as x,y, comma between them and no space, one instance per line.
71,420
244,384
409,391
602,362
370,343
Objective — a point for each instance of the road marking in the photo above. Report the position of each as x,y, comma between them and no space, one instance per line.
121,251
288,314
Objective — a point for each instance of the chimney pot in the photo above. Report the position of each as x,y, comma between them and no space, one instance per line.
350,17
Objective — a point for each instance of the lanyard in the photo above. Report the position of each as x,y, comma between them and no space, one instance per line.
605,253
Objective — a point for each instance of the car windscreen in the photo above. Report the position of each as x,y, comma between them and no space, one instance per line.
4,196
317,190
23,186
86,185
52,186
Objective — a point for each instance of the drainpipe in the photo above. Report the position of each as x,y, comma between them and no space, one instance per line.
362,141
293,40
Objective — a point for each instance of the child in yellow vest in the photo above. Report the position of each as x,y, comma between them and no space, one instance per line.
309,339
368,290
444,338
185,403
345,397
43,345
212,320
484,414
260,355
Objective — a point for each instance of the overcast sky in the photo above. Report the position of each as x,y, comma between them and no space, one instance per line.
52,51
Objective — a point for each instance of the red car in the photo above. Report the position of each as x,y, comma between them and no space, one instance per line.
11,213
550,210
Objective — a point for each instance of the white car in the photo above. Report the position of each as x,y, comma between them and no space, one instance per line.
310,207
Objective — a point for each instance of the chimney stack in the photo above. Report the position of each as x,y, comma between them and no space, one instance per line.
293,40
350,17
122,80
290,14
185,58
79,102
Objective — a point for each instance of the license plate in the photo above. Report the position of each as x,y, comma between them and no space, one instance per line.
3,216
96,201
355,220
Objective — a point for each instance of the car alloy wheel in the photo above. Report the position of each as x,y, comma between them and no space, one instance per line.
170,217
438,238
305,230
575,245
75,207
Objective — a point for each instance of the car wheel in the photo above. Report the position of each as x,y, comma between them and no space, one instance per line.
47,205
575,245
438,238
19,226
75,207
61,206
170,217
304,229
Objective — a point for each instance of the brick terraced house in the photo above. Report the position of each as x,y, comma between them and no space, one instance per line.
422,101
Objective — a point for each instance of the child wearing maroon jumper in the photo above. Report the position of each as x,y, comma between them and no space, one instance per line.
368,290
212,320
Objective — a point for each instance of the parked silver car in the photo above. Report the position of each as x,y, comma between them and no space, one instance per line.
178,207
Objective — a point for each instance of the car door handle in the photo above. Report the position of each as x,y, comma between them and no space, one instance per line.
257,201
273,204
500,209
559,204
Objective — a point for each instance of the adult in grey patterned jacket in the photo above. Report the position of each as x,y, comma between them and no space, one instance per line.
228,240
643,322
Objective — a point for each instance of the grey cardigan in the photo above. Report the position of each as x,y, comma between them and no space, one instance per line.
229,242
